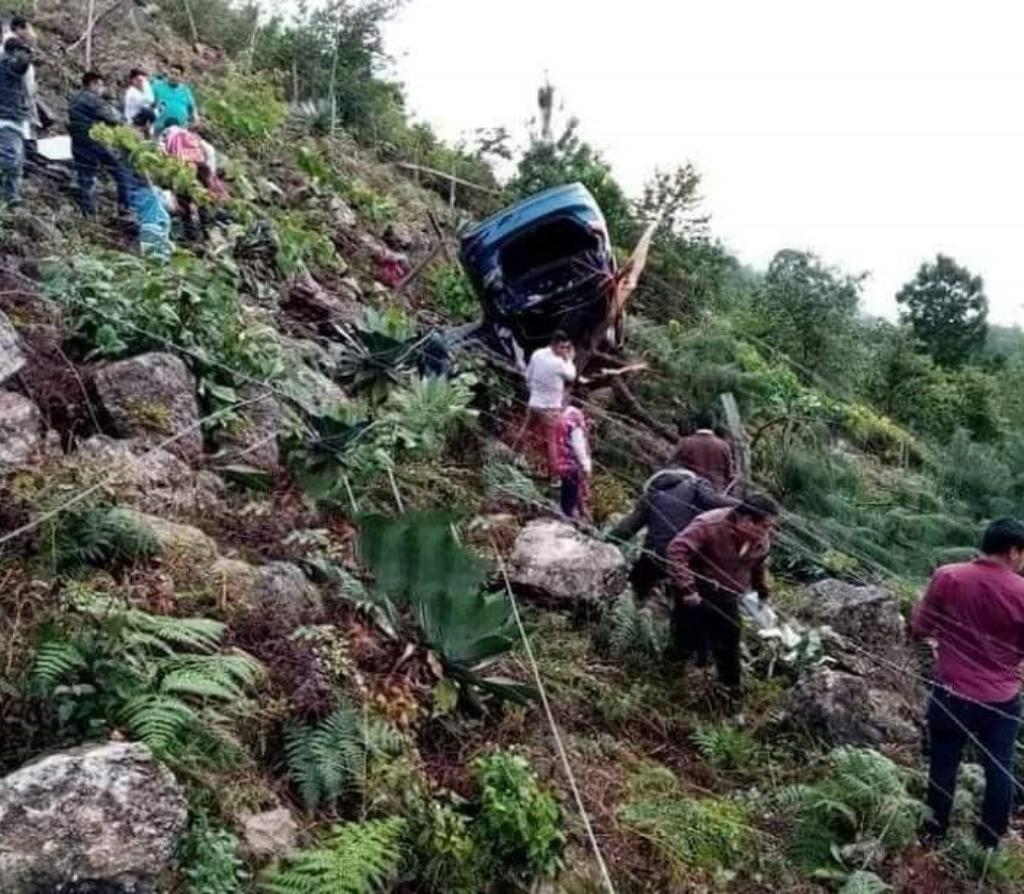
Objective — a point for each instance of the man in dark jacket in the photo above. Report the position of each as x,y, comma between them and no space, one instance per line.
88,108
672,499
706,454
15,116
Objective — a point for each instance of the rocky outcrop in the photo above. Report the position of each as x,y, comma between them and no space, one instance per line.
188,553
846,709
253,441
307,299
554,561
283,591
152,397
102,818
12,360
21,429
270,834
867,616
402,237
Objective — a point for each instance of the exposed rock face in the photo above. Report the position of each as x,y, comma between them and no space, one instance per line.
11,358
282,590
867,616
401,237
21,429
152,397
188,553
273,833
555,561
307,299
845,709
102,818
254,442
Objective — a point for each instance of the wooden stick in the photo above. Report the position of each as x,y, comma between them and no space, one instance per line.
87,35
408,166
419,268
191,24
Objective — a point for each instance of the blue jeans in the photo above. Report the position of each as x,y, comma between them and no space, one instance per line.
154,222
953,723
12,163
91,158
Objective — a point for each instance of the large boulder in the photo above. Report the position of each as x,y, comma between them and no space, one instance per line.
552,560
101,818
253,440
152,397
282,591
21,429
867,616
187,554
845,709
11,357
309,300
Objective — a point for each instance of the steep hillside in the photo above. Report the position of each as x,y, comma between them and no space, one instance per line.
261,582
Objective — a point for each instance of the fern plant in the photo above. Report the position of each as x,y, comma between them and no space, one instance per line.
97,536
328,758
632,633
862,882
164,681
357,858
726,748
861,811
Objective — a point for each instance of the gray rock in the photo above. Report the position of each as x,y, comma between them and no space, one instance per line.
308,299
21,429
254,440
182,545
284,591
555,561
341,214
273,833
867,616
12,360
151,397
402,237
101,818
845,709
137,466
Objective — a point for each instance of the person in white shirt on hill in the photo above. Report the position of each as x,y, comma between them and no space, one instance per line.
547,374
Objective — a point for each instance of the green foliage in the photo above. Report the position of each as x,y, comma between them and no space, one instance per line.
727,748
427,413
860,813
519,823
861,882
946,306
451,290
301,245
418,563
209,858
356,858
632,633
147,158
166,681
709,833
1002,868
327,759
446,857
244,108
98,536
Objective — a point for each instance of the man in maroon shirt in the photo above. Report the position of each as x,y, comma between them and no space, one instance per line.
974,611
706,454
719,557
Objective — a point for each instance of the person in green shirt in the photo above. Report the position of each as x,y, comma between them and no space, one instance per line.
174,101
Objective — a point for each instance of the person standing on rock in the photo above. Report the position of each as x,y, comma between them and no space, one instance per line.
716,560
550,369
673,499
87,109
572,461
15,117
974,613
706,454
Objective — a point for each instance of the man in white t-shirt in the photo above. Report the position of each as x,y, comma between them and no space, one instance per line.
139,95
547,374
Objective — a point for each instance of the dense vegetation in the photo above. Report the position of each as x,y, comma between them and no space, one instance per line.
402,725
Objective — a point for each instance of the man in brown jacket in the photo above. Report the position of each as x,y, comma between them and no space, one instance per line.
706,454
719,557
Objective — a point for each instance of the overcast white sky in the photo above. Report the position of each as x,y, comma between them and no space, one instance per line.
874,133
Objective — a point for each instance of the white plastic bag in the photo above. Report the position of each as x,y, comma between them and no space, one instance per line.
763,616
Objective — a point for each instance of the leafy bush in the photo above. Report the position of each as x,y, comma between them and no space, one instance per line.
98,536
446,857
244,108
452,291
327,759
301,245
164,680
727,748
418,563
632,633
861,882
146,157
519,823
859,813
209,859
357,858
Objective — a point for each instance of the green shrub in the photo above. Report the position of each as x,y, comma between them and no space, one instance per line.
97,536
727,748
632,633
518,824
209,858
301,245
452,291
327,759
244,108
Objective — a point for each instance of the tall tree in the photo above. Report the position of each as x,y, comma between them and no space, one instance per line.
945,305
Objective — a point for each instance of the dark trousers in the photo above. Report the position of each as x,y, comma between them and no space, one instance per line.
711,628
953,723
572,495
647,572
92,158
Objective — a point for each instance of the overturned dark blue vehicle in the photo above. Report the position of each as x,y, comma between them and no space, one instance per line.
544,264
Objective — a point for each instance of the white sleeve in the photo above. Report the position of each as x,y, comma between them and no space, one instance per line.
568,371
578,442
